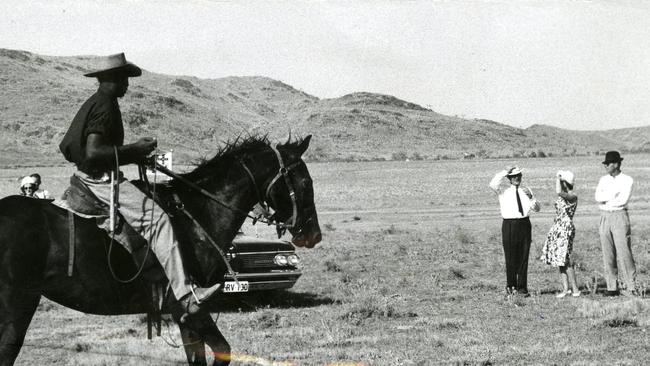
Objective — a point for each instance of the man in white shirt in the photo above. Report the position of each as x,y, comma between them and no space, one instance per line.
515,202
612,194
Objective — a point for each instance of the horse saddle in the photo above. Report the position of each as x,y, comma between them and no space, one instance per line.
82,200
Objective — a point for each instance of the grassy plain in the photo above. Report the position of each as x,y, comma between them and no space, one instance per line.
410,272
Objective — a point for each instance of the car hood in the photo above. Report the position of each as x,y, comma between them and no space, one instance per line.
245,243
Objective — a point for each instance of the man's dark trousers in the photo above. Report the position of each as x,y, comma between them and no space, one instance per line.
516,247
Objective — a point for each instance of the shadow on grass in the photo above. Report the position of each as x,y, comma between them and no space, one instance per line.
268,299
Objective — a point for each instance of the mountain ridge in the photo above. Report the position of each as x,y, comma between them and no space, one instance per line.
195,116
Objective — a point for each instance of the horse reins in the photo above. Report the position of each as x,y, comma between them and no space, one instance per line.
114,202
282,172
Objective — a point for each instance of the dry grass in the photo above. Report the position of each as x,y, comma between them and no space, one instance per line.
417,280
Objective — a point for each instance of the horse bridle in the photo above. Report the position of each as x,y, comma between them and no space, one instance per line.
281,227
283,172
267,217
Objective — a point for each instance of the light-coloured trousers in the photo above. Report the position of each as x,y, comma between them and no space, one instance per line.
616,243
151,222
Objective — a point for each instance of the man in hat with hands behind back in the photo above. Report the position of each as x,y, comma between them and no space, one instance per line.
515,203
612,194
95,144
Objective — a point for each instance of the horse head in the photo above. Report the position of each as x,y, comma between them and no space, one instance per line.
290,193
273,176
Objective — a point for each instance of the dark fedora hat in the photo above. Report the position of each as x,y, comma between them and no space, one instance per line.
113,64
612,157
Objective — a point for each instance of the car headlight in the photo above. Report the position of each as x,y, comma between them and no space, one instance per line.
293,260
280,260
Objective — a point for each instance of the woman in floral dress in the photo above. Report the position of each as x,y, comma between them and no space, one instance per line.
559,241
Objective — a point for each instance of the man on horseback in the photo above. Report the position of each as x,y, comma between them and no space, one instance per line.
94,142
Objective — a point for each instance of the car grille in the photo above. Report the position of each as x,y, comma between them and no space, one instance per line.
251,261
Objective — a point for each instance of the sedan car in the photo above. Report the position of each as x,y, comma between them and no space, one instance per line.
261,264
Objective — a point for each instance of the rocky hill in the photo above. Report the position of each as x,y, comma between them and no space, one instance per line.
194,116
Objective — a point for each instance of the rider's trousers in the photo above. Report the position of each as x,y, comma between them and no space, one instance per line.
148,220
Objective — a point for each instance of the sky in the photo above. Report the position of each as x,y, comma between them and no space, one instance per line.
572,64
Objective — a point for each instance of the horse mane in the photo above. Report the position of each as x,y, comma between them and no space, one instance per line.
232,151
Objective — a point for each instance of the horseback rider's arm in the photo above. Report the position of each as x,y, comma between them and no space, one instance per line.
97,150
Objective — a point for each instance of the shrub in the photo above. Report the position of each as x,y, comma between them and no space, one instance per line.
374,306
187,86
183,83
399,156
138,117
389,230
82,347
621,322
173,103
269,319
462,237
402,250
456,274
332,267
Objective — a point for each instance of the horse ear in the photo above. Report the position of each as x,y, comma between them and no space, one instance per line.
304,144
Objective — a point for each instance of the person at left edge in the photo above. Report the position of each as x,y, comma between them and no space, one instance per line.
90,143
516,202
28,186
40,193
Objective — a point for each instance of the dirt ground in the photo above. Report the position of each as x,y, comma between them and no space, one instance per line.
410,272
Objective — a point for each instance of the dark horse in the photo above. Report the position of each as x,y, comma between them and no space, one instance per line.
34,247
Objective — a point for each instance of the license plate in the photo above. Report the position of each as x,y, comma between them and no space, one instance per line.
232,286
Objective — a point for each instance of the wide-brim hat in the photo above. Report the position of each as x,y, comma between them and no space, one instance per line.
114,64
612,157
514,171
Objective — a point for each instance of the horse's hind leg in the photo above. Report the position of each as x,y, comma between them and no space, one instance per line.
17,308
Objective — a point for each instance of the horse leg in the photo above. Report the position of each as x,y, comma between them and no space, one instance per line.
194,347
192,342
216,341
17,308
198,330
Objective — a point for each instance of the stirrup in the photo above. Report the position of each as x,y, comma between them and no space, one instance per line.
192,302
207,292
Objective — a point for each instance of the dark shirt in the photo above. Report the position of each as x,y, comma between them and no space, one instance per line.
100,114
